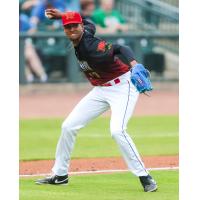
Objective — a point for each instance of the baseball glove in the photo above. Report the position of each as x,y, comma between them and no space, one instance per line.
140,77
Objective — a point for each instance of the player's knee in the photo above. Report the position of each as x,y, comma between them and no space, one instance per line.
116,133
69,128
66,127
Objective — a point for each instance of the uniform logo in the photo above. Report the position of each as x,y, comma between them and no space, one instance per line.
84,66
87,69
70,16
108,46
101,46
58,182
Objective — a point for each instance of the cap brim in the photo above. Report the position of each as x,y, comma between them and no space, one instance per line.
72,22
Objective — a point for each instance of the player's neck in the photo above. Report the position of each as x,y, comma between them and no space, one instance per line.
77,41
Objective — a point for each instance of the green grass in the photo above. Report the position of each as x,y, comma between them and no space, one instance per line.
152,136
119,186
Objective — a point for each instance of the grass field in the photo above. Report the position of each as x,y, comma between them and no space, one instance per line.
152,135
119,186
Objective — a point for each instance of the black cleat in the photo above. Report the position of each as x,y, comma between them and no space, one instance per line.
54,180
148,183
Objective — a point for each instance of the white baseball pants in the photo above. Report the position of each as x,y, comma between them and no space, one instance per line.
121,98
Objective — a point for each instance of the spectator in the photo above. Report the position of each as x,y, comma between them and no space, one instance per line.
33,64
25,12
24,24
38,11
27,5
87,8
73,5
107,19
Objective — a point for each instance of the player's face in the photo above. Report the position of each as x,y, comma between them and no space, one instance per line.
73,31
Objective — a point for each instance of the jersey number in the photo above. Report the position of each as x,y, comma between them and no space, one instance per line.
86,68
94,75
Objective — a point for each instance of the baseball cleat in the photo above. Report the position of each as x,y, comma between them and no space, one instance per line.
54,180
148,183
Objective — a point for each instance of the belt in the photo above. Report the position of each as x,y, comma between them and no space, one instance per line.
110,83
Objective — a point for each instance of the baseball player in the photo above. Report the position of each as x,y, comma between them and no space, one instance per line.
116,86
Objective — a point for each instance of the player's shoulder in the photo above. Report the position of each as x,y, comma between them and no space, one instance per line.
89,26
89,38
98,46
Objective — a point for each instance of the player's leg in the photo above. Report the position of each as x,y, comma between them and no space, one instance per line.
91,106
122,103
87,109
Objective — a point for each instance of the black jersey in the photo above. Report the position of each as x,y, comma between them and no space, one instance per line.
98,59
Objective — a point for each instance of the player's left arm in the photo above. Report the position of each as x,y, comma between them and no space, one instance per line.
103,50
126,52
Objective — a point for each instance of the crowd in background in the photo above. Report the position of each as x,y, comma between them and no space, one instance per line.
32,19
107,19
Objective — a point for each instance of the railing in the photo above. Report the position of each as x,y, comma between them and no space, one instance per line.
56,44
171,2
168,9
149,15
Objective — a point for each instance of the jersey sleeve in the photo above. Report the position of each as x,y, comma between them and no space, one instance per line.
125,51
102,50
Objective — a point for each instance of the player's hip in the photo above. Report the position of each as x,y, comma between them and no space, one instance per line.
121,79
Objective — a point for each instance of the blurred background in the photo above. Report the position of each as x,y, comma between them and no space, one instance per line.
149,27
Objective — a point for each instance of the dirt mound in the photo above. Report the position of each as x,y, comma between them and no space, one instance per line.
94,164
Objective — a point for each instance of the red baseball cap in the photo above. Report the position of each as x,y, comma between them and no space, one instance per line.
71,18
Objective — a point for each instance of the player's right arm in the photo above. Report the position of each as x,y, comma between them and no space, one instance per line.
53,13
56,14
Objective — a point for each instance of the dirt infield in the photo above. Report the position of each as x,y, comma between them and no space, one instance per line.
94,164
58,101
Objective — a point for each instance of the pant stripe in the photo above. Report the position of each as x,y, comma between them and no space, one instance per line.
124,132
